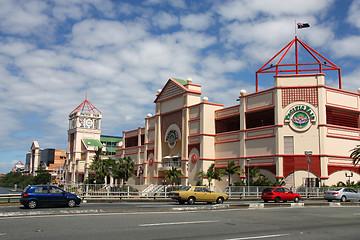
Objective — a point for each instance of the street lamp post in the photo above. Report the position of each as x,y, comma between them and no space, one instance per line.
140,173
308,154
248,177
349,176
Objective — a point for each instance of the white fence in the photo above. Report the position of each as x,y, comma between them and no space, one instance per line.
162,191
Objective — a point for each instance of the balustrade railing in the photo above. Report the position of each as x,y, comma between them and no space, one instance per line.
162,191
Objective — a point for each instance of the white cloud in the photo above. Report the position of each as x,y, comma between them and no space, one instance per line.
251,9
173,3
73,9
350,81
98,33
347,47
165,20
23,17
354,14
196,21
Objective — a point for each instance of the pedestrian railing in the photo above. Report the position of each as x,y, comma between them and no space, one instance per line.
162,191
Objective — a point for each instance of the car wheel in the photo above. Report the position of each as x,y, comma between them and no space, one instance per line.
181,202
296,199
343,199
32,204
71,203
329,200
265,200
191,200
277,199
219,200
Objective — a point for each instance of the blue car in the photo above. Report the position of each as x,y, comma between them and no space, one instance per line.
47,195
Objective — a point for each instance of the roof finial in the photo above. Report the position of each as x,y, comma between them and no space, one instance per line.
86,95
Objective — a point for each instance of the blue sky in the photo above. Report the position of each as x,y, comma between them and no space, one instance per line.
121,52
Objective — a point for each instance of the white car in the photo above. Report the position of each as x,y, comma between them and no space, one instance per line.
342,194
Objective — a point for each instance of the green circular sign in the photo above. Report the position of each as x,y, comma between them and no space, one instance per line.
171,138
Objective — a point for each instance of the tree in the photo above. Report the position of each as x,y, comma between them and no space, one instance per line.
42,177
231,169
173,175
355,155
212,174
101,166
254,173
123,169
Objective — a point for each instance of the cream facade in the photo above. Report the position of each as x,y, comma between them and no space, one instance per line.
83,140
272,128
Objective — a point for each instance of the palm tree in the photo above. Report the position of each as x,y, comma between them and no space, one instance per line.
254,173
173,175
232,169
123,169
355,155
101,166
212,174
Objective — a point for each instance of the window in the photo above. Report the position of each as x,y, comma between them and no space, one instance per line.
197,189
41,190
55,190
279,190
342,117
287,190
227,124
289,145
131,141
260,118
206,190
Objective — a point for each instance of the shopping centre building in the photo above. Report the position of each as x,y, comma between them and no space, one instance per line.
270,129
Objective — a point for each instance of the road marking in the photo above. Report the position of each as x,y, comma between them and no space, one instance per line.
175,223
261,237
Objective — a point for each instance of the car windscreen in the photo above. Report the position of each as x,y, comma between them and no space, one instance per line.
26,189
185,189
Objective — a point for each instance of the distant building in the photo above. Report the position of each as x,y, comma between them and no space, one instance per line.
51,160
111,143
18,167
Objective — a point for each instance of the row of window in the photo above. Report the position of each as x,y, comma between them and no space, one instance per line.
266,117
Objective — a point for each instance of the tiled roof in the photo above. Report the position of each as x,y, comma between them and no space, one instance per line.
92,142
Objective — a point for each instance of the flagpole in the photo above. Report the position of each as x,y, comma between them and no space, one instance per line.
295,29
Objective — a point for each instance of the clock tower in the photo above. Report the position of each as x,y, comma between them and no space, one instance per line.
83,139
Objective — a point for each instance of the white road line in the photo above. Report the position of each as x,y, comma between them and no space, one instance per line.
261,237
175,223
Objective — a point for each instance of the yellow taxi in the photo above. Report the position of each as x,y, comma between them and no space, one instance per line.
192,194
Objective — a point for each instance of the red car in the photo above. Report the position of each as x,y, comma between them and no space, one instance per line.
278,194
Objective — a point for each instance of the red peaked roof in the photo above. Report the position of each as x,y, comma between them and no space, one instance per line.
319,65
86,107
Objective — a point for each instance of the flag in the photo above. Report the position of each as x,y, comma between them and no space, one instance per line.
303,25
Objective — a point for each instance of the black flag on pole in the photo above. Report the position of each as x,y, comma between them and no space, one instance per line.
303,25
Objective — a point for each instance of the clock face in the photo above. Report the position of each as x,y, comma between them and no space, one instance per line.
89,122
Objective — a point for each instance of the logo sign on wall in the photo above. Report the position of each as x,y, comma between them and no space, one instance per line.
300,117
194,158
171,138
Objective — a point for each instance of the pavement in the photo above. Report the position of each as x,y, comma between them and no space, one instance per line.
228,205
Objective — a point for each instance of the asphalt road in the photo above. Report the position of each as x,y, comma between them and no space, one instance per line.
225,224
129,206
